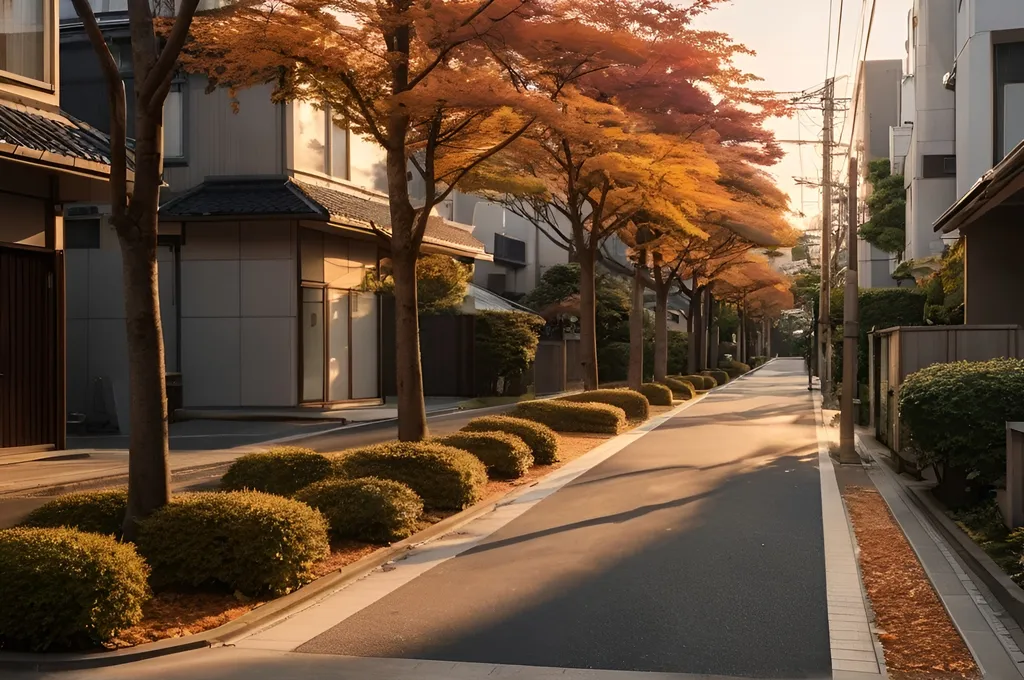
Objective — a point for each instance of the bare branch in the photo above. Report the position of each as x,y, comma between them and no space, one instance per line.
160,74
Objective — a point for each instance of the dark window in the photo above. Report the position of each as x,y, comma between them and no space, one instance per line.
496,283
510,250
82,234
1009,91
674,317
938,165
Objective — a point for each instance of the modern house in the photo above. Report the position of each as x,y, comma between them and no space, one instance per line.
47,159
272,219
876,110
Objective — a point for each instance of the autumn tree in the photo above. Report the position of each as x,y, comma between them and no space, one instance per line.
753,286
134,200
439,84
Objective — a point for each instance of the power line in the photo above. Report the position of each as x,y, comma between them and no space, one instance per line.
828,39
839,39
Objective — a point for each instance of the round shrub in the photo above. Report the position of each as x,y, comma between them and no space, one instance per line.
956,416
633,403
721,377
282,471
505,455
541,439
567,416
99,512
244,541
657,394
681,389
446,478
367,509
699,382
735,369
67,589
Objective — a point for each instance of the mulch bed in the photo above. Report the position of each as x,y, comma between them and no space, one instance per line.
916,633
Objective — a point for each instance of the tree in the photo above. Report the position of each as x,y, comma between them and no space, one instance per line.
441,283
134,216
887,205
439,84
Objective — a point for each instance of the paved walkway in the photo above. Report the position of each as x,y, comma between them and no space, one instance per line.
695,549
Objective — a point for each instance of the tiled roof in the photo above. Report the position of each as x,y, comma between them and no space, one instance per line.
284,196
33,133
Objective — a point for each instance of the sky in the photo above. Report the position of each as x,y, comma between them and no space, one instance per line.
789,37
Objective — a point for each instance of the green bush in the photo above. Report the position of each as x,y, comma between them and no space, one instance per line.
565,416
699,382
541,439
446,478
613,361
956,417
681,389
721,377
281,471
657,394
758,361
678,352
634,404
505,346
505,455
100,512
244,541
735,369
879,308
366,509
67,589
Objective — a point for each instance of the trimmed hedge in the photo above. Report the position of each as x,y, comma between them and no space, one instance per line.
281,471
735,369
99,512
758,361
504,454
956,416
366,509
633,403
244,541
681,389
699,382
541,439
67,589
657,394
721,377
446,478
567,416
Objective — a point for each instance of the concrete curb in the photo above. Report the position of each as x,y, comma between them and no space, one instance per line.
273,610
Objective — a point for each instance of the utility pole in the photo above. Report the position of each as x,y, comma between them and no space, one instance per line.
851,329
824,326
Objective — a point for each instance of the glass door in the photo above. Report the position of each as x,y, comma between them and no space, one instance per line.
314,336
339,344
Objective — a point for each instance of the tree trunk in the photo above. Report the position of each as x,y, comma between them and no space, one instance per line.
695,346
412,413
136,224
713,333
636,333
588,318
661,331
705,338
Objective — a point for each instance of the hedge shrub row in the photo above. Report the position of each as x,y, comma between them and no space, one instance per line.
282,471
567,416
541,439
505,455
681,389
65,589
446,478
634,404
758,361
699,382
100,512
366,509
735,369
721,377
657,394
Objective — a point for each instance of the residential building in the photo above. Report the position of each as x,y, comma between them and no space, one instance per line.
876,108
272,221
47,159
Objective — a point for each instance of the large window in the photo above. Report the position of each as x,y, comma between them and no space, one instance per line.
321,146
1009,91
23,39
174,124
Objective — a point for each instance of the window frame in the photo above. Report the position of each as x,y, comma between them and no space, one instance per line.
178,85
49,56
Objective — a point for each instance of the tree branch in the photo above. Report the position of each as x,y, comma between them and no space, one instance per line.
498,148
163,69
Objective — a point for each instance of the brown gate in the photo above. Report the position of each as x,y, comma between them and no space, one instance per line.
31,407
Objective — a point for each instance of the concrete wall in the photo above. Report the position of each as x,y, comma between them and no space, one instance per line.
992,271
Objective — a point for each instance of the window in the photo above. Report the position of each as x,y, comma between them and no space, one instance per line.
23,39
1009,91
339,151
321,145
673,317
81,234
174,124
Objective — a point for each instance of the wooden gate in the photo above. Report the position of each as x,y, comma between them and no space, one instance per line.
31,362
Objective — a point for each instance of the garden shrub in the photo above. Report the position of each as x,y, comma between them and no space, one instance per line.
541,439
281,471
246,541
566,416
681,389
634,403
67,589
721,377
699,382
100,512
505,455
758,361
956,417
657,394
879,308
735,369
678,352
505,346
446,478
367,509
613,361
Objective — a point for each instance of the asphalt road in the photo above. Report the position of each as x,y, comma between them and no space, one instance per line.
697,549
